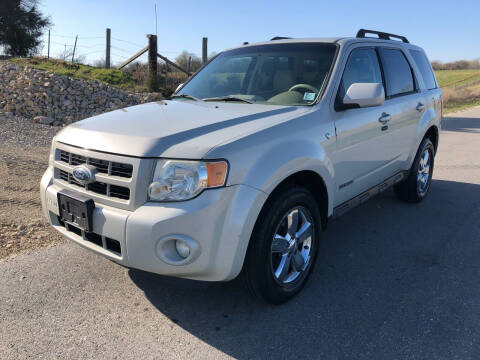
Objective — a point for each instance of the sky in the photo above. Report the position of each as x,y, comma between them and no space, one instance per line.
447,30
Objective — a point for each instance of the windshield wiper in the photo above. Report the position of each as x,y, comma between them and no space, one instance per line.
228,98
184,96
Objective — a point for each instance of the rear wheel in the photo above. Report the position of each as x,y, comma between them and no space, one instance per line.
415,188
283,246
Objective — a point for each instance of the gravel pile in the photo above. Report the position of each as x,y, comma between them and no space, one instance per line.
50,98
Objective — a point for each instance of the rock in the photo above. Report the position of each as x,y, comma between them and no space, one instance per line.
43,120
56,99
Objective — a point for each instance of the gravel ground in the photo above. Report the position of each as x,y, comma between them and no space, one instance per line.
24,149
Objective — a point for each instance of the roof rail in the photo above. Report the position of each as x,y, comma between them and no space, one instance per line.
381,35
279,38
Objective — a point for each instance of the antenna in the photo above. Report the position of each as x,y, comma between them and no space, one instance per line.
156,32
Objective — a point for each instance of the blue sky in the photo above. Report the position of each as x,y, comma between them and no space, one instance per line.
447,30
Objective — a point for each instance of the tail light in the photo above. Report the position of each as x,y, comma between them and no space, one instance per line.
441,111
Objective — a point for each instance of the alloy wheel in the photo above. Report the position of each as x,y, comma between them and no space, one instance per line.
291,248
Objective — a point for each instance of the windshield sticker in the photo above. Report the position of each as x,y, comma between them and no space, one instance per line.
308,96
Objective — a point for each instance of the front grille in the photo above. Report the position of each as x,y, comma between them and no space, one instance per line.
111,168
110,190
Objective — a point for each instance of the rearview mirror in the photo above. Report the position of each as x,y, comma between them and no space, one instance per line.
364,95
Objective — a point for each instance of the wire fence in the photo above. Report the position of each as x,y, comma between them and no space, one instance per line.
93,49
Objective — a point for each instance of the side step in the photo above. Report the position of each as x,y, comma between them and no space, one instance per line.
360,199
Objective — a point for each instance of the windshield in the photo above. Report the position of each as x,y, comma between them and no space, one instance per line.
280,74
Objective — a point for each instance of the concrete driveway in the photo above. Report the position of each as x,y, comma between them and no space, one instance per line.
392,281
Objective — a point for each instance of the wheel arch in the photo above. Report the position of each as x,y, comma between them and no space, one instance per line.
312,181
432,134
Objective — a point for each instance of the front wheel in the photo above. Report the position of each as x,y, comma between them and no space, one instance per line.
283,246
415,188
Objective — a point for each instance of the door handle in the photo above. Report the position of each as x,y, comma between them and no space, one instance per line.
420,107
385,118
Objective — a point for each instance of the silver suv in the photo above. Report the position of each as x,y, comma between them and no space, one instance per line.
240,171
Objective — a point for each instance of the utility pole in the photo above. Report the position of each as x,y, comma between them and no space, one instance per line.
107,50
48,52
74,47
204,50
152,63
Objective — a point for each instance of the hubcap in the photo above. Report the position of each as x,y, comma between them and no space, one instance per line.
292,245
423,174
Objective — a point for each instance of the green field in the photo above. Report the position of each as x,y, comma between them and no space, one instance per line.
113,77
453,78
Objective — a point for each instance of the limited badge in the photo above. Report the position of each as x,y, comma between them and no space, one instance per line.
308,96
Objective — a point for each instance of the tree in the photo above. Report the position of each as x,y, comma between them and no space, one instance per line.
182,60
21,27
66,54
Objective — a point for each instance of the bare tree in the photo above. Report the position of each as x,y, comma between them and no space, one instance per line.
66,53
182,60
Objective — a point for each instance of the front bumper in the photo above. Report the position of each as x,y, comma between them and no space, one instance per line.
218,223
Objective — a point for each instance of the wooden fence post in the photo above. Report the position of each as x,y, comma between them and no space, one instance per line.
107,50
74,47
189,64
152,83
48,53
204,50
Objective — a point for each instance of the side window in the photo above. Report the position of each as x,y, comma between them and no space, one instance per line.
362,67
398,74
425,69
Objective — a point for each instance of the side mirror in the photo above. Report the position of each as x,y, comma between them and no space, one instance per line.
364,95
178,87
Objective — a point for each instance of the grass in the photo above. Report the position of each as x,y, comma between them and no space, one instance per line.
453,78
113,77
456,99
451,107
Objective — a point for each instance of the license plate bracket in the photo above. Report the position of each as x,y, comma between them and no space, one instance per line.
75,209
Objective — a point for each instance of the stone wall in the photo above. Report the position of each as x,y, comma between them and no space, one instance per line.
57,99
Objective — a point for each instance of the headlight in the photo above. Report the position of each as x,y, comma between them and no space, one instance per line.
51,156
177,180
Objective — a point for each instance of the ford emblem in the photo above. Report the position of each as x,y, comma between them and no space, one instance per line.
84,174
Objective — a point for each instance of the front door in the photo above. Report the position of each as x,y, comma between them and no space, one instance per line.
364,156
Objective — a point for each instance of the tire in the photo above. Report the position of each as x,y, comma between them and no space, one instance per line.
416,186
263,272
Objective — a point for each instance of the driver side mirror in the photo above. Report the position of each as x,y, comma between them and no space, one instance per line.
361,95
178,87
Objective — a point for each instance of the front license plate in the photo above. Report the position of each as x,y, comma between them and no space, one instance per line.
76,209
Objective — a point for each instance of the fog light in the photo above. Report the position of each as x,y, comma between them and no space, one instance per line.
182,249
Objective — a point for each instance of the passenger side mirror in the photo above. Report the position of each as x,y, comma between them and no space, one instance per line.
178,87
360,95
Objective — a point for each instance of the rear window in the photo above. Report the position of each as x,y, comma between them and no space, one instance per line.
398,75
425,69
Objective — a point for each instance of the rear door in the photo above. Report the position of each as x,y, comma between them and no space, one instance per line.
406,102
430,94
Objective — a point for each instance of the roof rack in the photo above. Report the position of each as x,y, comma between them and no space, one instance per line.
279,38
381,35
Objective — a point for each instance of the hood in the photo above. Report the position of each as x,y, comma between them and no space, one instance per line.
175,129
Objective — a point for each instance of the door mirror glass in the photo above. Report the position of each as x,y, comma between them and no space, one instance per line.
364,95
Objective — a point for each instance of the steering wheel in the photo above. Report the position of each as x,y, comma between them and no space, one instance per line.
304,86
